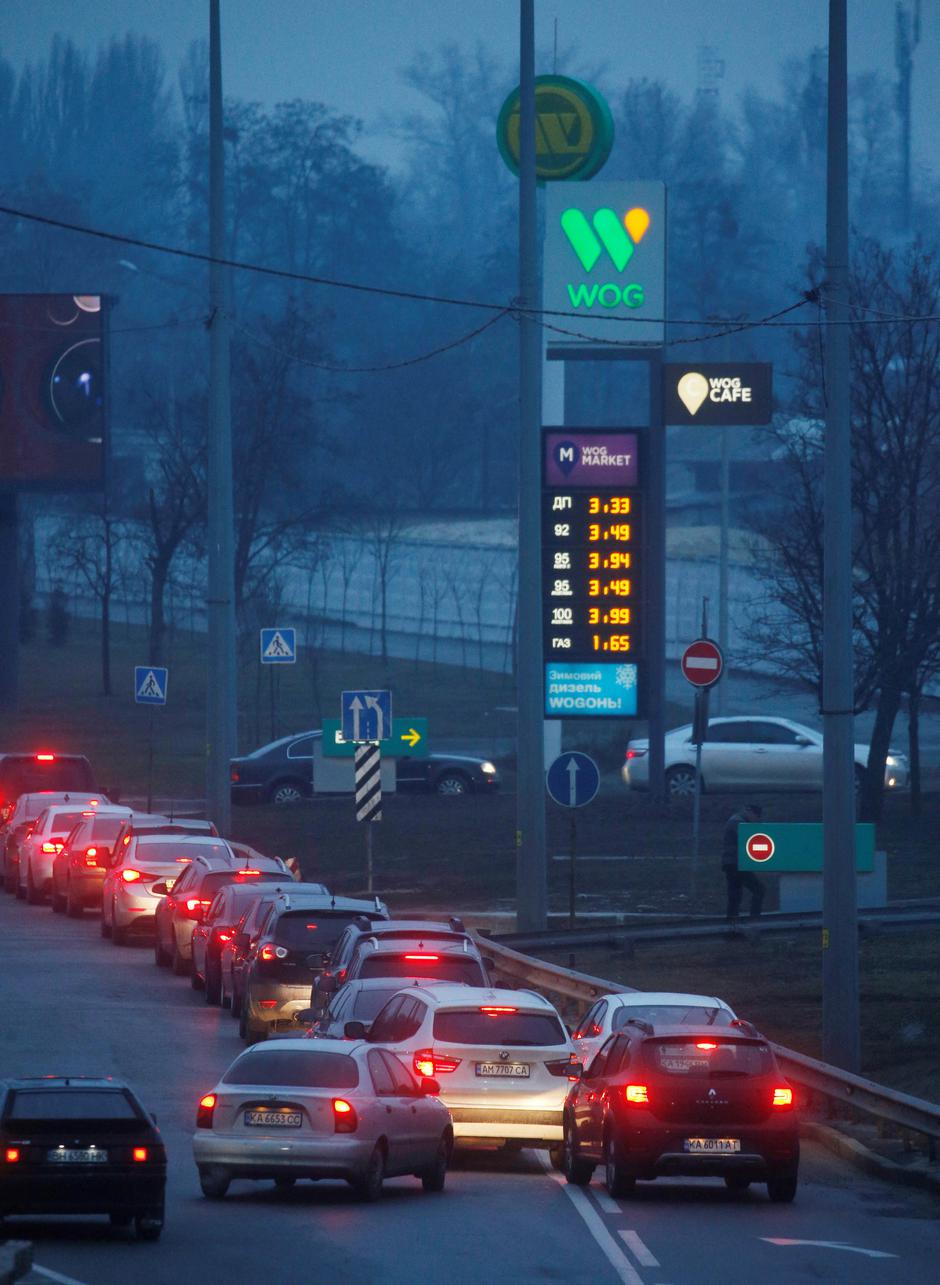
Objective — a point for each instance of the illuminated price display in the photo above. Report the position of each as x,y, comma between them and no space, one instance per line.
592,554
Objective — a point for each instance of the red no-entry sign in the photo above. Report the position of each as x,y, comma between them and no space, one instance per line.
702,663
759,847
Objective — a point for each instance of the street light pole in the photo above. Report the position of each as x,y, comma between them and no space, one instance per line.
840,1009
221,678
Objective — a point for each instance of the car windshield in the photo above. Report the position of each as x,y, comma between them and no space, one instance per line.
294,1068
71,1104
491,1026
443,968
318,930
671,1015
708,1056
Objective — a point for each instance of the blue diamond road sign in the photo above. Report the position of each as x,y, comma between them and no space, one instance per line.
366,716
573,779
150,684
278,646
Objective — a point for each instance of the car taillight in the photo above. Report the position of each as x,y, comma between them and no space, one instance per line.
48,846
560,1068
635,754
429,1064
45,758
496,1010
244,873
707,1045
141,1154
269,952
424,959
12,1155
223,934
194,906
205,1111
131,876
233,775
783,1097
636,1094
91,856
345,1119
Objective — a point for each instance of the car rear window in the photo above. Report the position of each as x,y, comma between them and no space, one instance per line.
706,1056
443,968
27,775
70,1104
300,928
477,1026
216,879
173,846
671,1015
106,827
62,822
294,1068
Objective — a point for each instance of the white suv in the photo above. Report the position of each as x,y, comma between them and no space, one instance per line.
502,1058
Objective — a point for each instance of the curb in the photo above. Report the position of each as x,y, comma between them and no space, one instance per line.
862,1157
16,1260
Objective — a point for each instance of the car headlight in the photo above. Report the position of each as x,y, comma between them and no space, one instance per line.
488,769
893,761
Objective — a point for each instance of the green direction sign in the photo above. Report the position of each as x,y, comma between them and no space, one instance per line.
409,739
574,130
797,847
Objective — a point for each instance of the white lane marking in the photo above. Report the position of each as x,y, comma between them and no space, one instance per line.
607,1203
50,1275
829,1244
642,1255
608,1246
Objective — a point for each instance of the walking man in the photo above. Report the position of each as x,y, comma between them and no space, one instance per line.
737,880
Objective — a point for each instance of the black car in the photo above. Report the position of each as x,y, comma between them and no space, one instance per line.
75,1145
32,773
680,1101
282,772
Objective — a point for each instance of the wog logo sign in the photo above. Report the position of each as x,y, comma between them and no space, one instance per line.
619,237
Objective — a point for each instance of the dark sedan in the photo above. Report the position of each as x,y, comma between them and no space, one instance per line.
282,772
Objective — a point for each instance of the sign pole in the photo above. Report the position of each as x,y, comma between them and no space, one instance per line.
656,583
572,889
369,858
700,724
150,761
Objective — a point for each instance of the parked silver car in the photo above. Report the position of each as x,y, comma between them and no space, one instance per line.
292,1109
749,753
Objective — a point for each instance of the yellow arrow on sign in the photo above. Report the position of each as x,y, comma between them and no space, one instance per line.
411,736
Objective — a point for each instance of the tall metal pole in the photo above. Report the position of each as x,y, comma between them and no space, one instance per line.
724,482
10,617
531,871
221,695
840,927
656,581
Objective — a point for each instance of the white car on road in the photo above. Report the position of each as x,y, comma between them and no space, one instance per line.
660,1008
749,752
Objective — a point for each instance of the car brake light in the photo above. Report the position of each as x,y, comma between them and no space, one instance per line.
706,1044
636,754
49,846
636,1094
429,1064
783,1097
233,776
345,1119
269,951
241,874
91,856
45,758
494,1010
205,1110
141,1154
195,906
424,958
268,1003
184,861
223,934
12,1155
131,876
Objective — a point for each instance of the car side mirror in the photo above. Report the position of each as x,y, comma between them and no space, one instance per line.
355,1031
305,1016
429,1086
159,889
576,1071
803,741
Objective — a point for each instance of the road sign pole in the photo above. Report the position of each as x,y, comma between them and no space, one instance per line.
531,874
369,863
572,886
840,1008
150,761
656,582
724,474
701,717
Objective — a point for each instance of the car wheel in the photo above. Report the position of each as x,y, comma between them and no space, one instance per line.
74,909
160,957
557,1157
214,1181
118,932
235,1005
452,784
781,1187
368,1187
179,965
616,1179
149,1224
213,984
9,881
737,1182
33,895
225,999
57,902
434,1177
103,926
577,1171
680,782
285,793
20,890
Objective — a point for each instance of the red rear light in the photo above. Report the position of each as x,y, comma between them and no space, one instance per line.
12,1155
223,934
205,1110
195,906
345,1119
424,958
243,873
141,1154
233,775
429,1064
636,1094
268,1003
269,952
45,758
636,754
131,876
49,846
91,856
494,1010
184,860
706,1044
783,1097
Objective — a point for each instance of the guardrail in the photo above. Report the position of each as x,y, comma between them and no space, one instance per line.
840,1090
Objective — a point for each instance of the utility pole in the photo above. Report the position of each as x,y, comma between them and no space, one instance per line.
221,678
531,870
840,1009
906,40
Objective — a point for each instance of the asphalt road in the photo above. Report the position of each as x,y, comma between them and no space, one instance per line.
72,1002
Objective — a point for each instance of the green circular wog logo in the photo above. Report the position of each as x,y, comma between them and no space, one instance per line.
574,130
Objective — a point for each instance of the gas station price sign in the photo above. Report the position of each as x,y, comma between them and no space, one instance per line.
592,517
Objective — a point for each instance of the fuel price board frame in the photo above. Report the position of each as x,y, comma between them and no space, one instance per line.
593,602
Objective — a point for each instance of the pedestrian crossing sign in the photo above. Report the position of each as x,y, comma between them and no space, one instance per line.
150,684
278,646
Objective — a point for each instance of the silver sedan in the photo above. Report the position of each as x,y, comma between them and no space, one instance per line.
289,1109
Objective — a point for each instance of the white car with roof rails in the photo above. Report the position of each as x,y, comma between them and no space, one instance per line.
662,1008
359,1001
503,1059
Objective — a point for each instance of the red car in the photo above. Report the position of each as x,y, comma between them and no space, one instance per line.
673,1101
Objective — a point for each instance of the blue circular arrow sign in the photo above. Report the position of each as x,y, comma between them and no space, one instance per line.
573,779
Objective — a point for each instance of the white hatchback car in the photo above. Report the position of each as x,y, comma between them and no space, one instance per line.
661,1008
749,752
294,1109
502,1058
44,842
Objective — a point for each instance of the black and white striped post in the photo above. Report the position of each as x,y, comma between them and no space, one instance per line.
368,796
